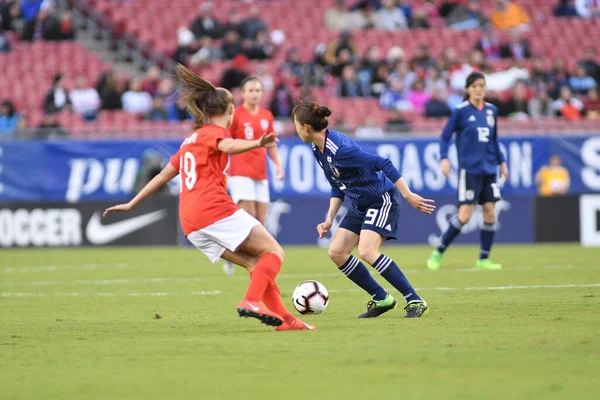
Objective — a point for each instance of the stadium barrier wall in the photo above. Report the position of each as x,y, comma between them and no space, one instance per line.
72,225
74,171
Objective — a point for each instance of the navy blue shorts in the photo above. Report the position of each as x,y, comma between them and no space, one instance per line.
478,189
381,216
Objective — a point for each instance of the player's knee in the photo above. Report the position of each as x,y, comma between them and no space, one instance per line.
278,251
465,213
368,254
337,255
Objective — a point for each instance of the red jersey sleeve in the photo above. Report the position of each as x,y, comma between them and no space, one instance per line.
211,139
174,160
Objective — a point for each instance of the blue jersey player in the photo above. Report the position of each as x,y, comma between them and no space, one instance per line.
475,123
373,185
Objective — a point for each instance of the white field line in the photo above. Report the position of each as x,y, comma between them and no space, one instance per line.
219,292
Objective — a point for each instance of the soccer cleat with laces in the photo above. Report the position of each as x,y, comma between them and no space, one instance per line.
295,325
416,308
377,307
487,264
257,310
434,260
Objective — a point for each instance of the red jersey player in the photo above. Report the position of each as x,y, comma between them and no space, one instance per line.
210,219
247,180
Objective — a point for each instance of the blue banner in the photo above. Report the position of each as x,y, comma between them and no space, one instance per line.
75,171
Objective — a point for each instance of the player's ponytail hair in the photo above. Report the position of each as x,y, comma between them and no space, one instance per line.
473,76
200,97
311,113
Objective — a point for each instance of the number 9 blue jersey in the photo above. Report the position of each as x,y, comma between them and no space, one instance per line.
476,138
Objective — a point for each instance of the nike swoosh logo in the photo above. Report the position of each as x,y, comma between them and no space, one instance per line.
254,308
101,234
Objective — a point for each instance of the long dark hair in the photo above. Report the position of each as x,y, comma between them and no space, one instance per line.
311,113
200,97
473,76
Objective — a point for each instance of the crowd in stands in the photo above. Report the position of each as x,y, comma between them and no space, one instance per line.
421,82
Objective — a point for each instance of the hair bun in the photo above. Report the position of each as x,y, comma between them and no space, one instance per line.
323,111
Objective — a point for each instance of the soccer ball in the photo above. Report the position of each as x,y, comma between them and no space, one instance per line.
310,297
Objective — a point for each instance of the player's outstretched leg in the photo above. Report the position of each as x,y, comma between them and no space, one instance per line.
486,237
435,259
368,249
340,251
272,299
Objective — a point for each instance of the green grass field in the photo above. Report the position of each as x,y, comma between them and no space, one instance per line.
80,324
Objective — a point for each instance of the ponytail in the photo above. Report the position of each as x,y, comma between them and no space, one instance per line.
200,97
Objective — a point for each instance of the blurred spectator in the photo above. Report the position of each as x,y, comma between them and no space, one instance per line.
390,18
436,107
349,85
565,8
261,48
206,24
422,58
592,104
47,25
509,15
185,41
553,179
343,59
517,105
152,80
4,43
9,10
56,97
232,46
85,100
343,42
8,119
537,72
265,78
136,100
592,68
379,81
49,128
252,25
369,129
540,104
294,64
404,73
587,8
395,97
557,78
489,44
282,101
418,96
338,17
66,26
364,17
567,106
580,82
158,111
234,22
466,15
396,123
233,77
29,10
207,54
435,82
110,90
421,13
517,47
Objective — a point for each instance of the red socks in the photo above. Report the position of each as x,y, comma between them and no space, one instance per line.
272,299
265,271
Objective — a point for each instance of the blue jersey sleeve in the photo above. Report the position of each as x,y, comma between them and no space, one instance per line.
449,129
355,157
499,154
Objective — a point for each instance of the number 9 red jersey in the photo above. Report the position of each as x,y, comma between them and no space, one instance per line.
203,199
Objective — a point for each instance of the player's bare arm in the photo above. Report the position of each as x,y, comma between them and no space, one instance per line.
504,170
274,156
426,206
445,166
236,146
334,206
169,172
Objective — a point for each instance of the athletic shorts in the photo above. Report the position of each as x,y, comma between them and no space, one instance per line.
382,216
244,188
478,189
226,234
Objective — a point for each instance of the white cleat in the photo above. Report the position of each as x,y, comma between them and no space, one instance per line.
228,268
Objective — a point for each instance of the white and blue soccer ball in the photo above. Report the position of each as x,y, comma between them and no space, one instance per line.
310,297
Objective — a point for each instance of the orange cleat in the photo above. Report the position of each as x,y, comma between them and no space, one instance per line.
257,310
296,325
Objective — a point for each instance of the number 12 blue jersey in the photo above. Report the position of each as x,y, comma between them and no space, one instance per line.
362,176
476,138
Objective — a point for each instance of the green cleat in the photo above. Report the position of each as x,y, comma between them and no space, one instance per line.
487,264
376,308
434,260
416,308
